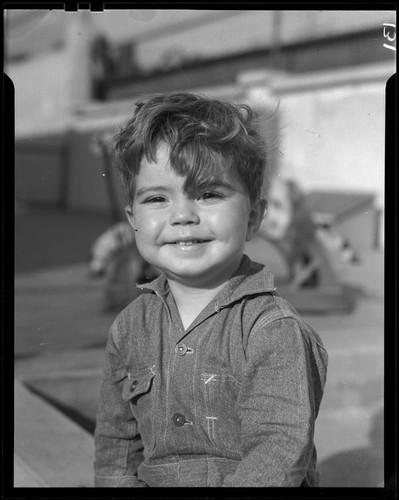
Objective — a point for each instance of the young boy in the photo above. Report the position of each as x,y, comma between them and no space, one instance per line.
211,378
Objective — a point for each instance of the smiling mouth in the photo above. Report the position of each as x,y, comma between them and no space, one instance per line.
188,243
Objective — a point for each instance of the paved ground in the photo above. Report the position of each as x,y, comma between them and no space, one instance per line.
60,335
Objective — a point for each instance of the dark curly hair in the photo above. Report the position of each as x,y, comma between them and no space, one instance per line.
200,132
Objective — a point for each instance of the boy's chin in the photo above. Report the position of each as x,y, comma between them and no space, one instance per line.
209,278
187,277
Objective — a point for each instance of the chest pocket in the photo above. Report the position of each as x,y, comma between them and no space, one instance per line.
138,391
221,419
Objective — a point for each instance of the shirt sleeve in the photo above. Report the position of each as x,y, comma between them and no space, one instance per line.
118,446
278,404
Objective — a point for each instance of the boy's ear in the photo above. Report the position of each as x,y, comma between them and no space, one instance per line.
256,215
130,216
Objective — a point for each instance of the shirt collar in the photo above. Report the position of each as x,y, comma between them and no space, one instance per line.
250,278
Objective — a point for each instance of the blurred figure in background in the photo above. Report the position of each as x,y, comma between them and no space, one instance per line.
288,224
306,246
114,255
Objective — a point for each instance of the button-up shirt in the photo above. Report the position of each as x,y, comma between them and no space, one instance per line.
230,401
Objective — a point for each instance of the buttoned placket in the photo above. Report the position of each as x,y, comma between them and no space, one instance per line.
174,331
182,361
164,397
177,417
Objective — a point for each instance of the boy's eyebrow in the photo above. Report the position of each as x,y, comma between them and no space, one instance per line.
147,189
215,184
222,184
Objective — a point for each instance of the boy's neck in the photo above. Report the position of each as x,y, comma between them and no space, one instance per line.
191,301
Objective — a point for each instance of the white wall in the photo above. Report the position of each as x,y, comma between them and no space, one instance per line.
41,94
50,83
333,138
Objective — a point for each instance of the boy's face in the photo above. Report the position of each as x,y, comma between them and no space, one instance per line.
197,239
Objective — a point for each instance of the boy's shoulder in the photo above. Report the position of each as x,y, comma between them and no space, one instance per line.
265,305
280,308
291,320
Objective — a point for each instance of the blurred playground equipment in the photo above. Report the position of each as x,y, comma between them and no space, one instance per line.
305,242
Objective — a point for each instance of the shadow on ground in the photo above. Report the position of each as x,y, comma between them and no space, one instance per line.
366,464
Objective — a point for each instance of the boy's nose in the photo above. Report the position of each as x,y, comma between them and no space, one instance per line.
183,213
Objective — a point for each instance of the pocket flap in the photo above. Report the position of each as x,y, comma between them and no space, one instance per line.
136,386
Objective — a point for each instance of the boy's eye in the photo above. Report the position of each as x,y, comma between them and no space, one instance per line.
155,199
209,195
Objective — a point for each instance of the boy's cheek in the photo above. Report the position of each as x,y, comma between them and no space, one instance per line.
148,230
138,217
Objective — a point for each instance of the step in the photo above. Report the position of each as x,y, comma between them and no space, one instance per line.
49,448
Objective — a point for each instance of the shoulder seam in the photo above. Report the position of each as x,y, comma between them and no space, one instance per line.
279,313
271,318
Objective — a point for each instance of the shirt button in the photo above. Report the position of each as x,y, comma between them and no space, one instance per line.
134,385
178,419
181,349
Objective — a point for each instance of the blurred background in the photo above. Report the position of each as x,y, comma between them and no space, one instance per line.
317,79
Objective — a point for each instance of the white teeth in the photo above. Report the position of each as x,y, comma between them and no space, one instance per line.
186,243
